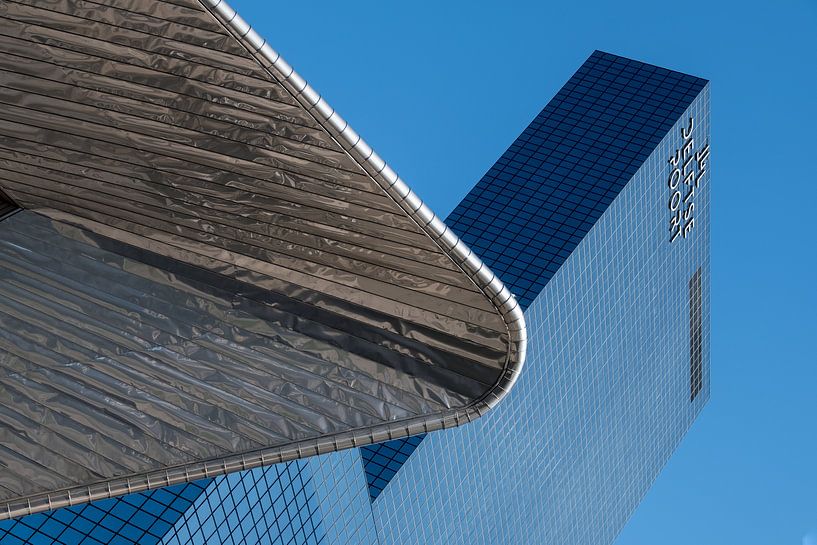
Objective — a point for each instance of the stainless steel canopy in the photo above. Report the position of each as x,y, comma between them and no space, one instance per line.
212,271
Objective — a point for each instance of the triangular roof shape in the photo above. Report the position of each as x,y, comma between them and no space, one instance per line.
211,270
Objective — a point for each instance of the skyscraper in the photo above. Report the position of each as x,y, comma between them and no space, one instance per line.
597,219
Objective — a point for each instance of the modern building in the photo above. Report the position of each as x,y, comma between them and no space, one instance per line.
211,271
596,219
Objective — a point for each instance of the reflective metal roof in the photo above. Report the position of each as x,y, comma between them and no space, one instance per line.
213,271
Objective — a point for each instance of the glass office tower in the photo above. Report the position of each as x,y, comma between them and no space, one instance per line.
597,218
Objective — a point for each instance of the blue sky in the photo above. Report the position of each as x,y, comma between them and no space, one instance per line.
441,91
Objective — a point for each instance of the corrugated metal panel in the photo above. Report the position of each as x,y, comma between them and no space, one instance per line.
210,277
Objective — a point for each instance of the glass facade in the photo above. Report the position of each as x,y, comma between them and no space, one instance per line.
597,218
533,207
605,395
382,461
143,518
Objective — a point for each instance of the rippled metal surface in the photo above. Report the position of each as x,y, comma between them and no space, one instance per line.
205,280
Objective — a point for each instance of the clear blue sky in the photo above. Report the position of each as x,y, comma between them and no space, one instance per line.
441,91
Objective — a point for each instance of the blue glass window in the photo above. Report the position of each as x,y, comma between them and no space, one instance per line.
556,180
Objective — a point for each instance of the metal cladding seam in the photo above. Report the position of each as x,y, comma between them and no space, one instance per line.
502,299
395,187
490,285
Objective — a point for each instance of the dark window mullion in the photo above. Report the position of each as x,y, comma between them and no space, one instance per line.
695,335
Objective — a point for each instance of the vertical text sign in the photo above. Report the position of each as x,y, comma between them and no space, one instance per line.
687,169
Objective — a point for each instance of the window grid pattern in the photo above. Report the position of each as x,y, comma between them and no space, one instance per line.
531,209
142,518
382,461
272,505
343,496
695,336
604,399
589,366
534,206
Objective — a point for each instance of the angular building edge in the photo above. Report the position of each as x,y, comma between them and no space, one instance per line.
487,282
490,284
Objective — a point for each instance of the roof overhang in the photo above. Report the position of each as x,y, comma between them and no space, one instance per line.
212,270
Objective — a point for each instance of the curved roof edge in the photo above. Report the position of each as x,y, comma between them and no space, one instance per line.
490,285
